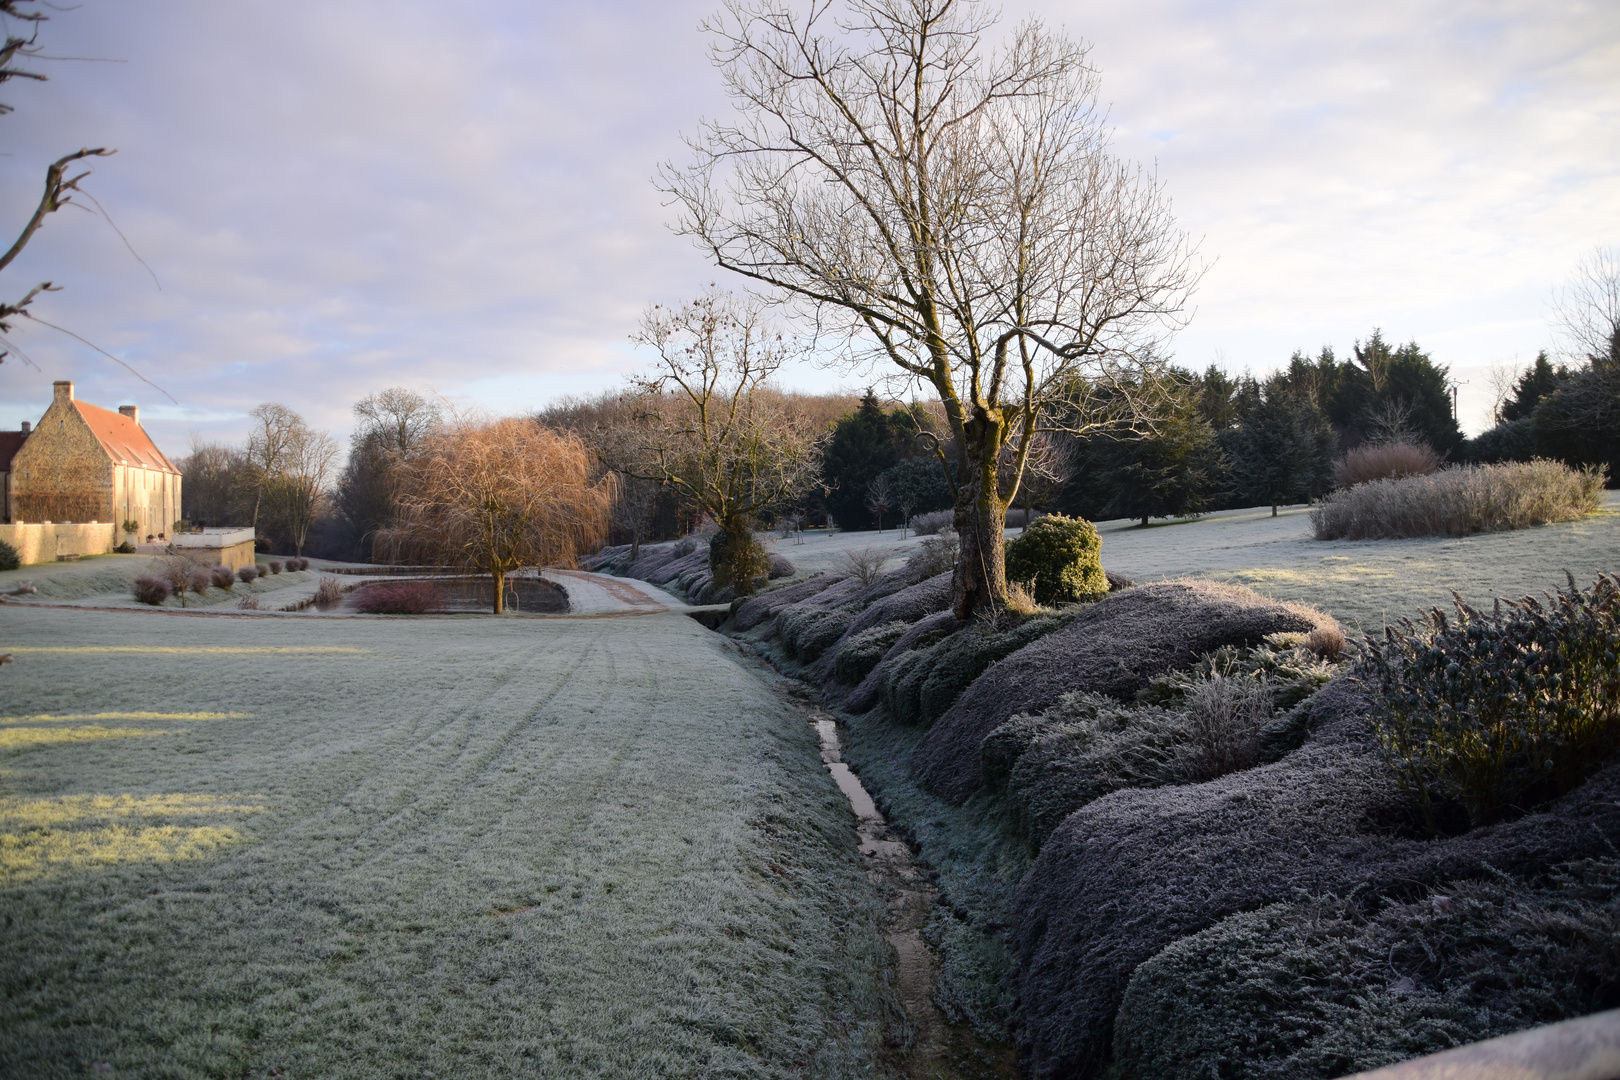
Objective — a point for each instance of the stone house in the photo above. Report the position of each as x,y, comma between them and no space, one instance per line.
10,443
83,463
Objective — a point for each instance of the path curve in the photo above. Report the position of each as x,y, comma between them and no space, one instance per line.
602,594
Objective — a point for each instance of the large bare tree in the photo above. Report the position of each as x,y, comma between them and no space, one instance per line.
953,210
495,496
61,182
709,426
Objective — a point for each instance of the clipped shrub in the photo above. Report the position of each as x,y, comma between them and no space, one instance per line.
1057,560
1323,987
781,566
923,684
223,577
397,598
275,566
758,609
1500,712
198,579
248,574
9,559
124,548
934,522
1116,646
150,589
921,634
1382,461
1459,501
861,652
806,631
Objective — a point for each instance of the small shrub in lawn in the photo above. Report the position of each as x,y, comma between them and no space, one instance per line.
248,574
125,548
1381,461
1500,712
329,592
862,651
150,589
1460,501
398,598
1057,560
198,579
864,564
223,577
275,566
9,559
303,563
935,555
934,522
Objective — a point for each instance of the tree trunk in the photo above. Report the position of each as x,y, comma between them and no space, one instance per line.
1144,521
980,580
1273,510
500,591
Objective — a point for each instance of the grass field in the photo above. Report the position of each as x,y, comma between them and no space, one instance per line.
428,847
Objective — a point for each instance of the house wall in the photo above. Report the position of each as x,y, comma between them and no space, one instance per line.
42,543
147,497
62,473
234,556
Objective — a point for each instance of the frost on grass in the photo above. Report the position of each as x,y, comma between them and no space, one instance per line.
591,848
1114,647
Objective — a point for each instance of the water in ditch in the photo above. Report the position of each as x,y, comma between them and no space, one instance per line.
939,1050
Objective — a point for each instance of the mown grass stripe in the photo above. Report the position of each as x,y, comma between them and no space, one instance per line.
45,718
188,649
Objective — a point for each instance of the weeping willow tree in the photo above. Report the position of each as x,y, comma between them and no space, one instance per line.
950,208
492,497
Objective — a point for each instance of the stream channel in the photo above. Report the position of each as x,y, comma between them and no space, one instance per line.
939,1050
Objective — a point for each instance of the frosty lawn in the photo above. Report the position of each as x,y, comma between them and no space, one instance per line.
594,847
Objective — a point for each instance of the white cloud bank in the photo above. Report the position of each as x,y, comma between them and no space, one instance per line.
384,193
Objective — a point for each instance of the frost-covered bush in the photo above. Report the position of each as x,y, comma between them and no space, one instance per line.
1058,560
1460,501
275,566
329,592
1379,461
1324,987
861,652
758,609
151,589
297,563
398,598
248,574
223,577
1505,711
1116,647
250,602
864,564
9,559
806,632
922,684
934,522
935,555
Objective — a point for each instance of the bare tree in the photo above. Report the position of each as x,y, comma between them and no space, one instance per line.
951,210
879,498
711,428
495,496
60,181
1501,380
301,486
275,428
391,427
1588,308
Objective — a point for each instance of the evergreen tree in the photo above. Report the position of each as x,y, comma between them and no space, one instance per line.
1539,380
1283,448
1175,472
864,444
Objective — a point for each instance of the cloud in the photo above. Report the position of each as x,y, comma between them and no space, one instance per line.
400,193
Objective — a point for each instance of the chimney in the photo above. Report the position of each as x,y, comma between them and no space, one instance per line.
27,427
62,391
131,411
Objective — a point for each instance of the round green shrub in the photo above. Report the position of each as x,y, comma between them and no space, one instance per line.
862,652
1059,559
9,559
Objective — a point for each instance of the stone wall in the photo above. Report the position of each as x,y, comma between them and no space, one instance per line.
44,542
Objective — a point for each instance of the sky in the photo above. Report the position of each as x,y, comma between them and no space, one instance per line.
459,198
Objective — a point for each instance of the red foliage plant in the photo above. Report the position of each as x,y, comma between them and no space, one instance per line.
398,598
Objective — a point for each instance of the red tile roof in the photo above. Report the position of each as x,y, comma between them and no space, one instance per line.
10,443
125,441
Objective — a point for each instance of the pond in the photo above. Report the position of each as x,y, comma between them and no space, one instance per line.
454,594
